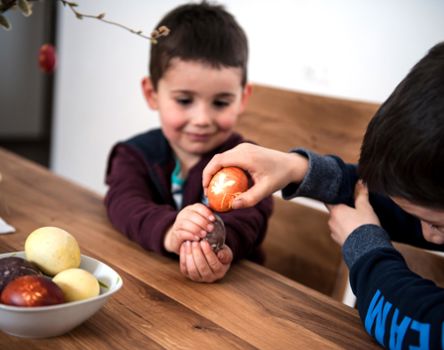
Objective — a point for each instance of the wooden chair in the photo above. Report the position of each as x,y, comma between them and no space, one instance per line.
298,243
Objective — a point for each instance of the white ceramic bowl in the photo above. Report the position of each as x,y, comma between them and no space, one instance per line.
50,321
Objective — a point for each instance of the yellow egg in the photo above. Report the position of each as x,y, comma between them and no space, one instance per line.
77,284
52,250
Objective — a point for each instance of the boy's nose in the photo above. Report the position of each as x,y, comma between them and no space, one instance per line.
201,116
426,229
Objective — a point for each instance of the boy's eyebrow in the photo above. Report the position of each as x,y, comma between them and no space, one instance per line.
183,91
226,94
189,92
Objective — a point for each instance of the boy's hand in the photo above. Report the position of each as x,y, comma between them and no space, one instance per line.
344,219
191,224
199,263
262,165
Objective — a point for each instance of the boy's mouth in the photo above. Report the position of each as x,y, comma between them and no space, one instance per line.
199,137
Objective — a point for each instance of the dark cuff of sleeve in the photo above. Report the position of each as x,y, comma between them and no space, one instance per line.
362,240
321,182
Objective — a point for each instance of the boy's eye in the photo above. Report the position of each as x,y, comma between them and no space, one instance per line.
220,103
184,101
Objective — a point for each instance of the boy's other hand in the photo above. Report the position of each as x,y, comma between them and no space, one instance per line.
269,169
199,263
192,224
344,219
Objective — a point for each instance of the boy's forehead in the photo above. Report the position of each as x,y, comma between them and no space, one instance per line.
424,213
194,70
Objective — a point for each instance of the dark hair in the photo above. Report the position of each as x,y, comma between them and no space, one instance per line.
199,32
402,154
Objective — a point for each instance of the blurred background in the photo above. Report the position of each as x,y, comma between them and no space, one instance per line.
69,120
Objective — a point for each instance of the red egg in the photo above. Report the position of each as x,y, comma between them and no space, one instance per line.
225,186
47,58
32,290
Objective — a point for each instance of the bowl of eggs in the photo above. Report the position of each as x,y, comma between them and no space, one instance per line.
50,288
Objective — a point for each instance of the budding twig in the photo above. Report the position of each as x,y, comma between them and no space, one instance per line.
162,31
26,8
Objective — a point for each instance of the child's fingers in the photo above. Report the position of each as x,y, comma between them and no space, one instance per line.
225,255
361,195
211,258
252,196
193,273
196,227
182,260
184,235
203,211
201,262
213,166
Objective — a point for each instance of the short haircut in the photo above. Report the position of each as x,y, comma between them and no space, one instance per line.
199,32
402,154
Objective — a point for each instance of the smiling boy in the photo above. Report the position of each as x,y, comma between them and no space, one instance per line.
198,86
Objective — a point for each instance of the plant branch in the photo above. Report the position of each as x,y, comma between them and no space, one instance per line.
162,31
25,7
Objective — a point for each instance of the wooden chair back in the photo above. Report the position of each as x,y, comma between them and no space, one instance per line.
298,242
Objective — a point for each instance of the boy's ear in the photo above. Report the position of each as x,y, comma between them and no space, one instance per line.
248,89
149,93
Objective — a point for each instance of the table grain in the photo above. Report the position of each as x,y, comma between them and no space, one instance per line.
157,308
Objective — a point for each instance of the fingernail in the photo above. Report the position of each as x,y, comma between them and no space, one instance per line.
203,243
210,228
212,218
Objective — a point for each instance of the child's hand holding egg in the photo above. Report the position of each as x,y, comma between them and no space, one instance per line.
224,187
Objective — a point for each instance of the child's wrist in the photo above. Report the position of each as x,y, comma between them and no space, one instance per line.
298,167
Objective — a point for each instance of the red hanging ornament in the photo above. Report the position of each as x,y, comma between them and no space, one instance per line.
47,58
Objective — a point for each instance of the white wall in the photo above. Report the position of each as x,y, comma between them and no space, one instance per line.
353,49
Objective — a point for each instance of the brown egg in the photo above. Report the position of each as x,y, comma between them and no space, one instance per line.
216,238
225,186
32,290
12,267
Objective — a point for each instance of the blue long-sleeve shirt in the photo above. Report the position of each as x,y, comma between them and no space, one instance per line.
400,309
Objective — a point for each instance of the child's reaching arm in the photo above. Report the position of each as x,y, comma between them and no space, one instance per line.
399,308
270,170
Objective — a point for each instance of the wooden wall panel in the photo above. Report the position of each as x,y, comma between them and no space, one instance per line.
283,119
298,243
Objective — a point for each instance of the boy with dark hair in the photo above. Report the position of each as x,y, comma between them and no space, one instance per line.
198,84
401,163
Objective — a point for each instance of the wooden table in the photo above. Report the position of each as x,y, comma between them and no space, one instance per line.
252,307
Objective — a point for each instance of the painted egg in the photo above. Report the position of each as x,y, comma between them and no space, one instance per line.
225,186
32,290
13,267
216,238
